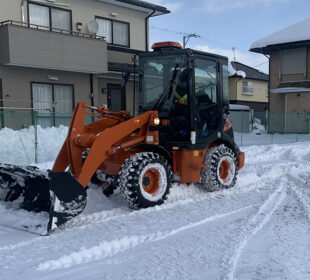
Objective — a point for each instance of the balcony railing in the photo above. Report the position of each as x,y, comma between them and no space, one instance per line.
51,29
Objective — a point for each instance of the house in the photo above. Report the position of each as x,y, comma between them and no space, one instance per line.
55,53
250,89
289,72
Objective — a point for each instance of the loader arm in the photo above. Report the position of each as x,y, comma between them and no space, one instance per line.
100,145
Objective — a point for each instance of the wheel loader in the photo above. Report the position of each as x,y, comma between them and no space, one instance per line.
182,134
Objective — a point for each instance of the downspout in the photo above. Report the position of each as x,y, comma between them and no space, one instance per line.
91,79
285,113
91,90
147,30
268,92
23,10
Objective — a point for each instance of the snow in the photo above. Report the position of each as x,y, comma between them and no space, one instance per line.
18,146
294,33
258,229
232,71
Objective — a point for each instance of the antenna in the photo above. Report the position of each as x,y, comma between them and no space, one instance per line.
234,51
93,27
186,38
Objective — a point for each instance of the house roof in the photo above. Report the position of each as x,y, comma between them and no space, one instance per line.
139,5
251,73
289,36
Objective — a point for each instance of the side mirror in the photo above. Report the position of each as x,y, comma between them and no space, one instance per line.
126,76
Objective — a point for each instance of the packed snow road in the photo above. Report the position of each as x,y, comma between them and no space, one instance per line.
260,229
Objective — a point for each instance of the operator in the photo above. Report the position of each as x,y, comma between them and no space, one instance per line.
180,102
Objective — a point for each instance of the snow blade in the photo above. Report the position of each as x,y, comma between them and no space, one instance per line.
31,189
25,187
68,199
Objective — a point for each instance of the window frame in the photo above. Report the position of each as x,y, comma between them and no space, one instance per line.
112,26
243,86
50,15
53,95
217,72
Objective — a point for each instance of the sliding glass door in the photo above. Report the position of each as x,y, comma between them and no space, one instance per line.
52,103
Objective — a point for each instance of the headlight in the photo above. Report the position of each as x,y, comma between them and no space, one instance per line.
156,121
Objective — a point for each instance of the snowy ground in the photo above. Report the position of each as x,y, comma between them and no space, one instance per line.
257,230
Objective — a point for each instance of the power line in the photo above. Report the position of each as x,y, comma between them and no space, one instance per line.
203,39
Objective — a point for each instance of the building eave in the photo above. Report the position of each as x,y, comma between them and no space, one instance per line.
291,45
139,6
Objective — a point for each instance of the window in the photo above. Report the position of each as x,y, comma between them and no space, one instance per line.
225,85
52,103
247,88
205,81
293,61
115,32
49,18
207,110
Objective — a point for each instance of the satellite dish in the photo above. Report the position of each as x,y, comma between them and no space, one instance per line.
93,27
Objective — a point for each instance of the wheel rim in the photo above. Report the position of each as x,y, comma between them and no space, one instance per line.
226,171
153,182
150,181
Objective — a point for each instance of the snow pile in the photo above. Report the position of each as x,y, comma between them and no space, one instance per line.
18,146
258,128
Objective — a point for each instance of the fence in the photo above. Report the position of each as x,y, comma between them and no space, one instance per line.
27,137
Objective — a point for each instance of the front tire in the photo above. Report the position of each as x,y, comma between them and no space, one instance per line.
221,171
145,180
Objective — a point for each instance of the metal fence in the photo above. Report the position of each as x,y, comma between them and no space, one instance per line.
263,128
27,136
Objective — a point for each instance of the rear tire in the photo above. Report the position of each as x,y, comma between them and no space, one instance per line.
221,171
145,180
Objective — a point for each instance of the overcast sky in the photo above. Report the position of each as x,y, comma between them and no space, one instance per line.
224,24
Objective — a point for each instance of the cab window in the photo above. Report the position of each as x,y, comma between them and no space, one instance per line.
207,112
205,82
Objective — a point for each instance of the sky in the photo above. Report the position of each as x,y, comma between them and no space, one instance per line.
227,24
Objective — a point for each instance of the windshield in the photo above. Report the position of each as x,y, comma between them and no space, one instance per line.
155,76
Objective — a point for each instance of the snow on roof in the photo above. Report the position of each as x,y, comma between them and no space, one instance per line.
233,72
294,33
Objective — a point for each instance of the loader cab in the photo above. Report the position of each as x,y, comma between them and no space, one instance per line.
189,89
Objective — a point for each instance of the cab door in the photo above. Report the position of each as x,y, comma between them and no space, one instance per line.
206,96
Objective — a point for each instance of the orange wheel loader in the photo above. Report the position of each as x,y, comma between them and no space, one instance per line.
181,134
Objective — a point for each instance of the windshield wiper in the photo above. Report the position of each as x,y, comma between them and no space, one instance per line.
166,93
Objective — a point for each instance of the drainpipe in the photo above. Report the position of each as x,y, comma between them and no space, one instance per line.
285,113
23,10
147,30
91,90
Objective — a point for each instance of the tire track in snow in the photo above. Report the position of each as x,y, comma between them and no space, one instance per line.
108,249
85,221
299,194
256,223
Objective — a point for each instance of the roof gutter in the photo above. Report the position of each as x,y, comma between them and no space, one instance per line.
147,30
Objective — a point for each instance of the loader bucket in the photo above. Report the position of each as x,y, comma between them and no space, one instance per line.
57,193
68,199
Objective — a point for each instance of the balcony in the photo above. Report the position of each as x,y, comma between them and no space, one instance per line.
34,46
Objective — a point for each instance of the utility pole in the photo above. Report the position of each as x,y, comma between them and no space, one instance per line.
186,38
